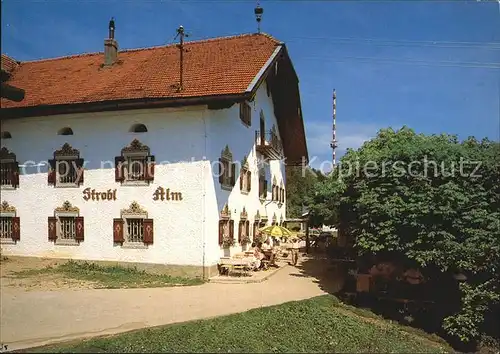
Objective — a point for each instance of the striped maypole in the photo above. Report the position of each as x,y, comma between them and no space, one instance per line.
333,144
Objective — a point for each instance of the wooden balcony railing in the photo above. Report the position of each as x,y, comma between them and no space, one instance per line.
268,144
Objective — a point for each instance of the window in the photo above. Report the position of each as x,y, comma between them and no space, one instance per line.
281,197
275,190
227,170
10,230
226,228
245,177
246,114
138,128
274,220
262,184
133,229
135,165
256,224
5,135
65,131
9,170
66,227
244,229
66,168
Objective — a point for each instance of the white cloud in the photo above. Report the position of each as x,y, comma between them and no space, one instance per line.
349,135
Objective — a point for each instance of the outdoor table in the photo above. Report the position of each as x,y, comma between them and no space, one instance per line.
239,264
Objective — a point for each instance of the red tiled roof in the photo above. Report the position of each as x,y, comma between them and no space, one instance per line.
219,66
8,64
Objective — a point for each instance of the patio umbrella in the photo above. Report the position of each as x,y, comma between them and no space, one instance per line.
276,231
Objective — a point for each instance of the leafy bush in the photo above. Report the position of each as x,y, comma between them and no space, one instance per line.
431,200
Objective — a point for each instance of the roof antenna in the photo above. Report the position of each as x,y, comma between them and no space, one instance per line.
181,35
258,11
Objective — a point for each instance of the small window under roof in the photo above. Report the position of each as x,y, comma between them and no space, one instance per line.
5,135
65,131
138,128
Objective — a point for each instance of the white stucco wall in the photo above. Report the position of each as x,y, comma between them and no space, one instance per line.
225,128
176,136
187,144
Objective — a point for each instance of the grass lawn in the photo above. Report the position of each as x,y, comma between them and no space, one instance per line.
321,324
109,277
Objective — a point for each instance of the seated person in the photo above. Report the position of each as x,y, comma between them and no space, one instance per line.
269,251
267,245
258,255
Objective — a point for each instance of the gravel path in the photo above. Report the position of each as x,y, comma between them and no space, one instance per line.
36,318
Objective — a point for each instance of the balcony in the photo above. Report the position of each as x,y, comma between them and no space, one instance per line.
268,144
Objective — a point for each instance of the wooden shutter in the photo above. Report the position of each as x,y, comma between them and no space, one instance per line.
51,177
119,169
52,228
247,228
16,228
231,229
265,189
15,176
118,230
242,175
79,166
221,171
79,228
240,231
249,180
148,231
233,174
149,171
261,187
221,231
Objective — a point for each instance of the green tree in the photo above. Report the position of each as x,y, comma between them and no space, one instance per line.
432,200
299,183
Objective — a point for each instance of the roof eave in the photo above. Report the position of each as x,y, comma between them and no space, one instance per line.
261,75
116,105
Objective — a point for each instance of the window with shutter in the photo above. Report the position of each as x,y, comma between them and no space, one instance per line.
118,230
9,170
221,231
148,231
119,169
227,170
52,228
240,231
246,114
245,180
134,229
79,228
66,227
135,166
255,229
66,168
249,181
231,229
10,228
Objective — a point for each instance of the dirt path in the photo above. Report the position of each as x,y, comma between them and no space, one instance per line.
41,317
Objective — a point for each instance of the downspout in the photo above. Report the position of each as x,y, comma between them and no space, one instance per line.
203,194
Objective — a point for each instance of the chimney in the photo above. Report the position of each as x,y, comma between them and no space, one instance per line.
110,45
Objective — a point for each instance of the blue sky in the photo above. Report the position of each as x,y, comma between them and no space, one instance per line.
431,65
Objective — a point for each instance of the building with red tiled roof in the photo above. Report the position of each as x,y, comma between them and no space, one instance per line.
142,156
9,92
